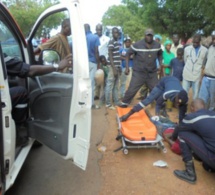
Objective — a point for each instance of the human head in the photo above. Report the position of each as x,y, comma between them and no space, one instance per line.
196,40
115,33
99,30
168,45
181,98
103,59
180,53
197,104
65,27
175,39
213,38
158,38
127,42
149,33
87,28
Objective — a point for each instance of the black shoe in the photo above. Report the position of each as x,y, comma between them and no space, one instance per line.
96,98
187,175
122,105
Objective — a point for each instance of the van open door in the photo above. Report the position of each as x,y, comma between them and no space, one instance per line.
60,103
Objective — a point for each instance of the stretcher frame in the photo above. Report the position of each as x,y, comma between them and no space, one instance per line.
132,144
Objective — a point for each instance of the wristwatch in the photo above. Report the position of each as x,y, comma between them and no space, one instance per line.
56,66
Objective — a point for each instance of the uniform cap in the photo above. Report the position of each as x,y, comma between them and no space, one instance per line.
149,31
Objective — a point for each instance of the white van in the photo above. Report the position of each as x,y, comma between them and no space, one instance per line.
59,107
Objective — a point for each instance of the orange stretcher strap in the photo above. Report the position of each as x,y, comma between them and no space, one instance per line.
138,126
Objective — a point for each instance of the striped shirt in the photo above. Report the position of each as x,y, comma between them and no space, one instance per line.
113,47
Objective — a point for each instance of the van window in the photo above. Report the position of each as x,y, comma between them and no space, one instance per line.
9,43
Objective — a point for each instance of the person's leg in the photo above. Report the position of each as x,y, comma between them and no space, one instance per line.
122,83
109,87
137,80
93,68
116,89
186,85
188,174
151,80
191,142
143,92
19,100
212,95
204,90
195,88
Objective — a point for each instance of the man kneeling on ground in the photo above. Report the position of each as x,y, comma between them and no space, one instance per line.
196,136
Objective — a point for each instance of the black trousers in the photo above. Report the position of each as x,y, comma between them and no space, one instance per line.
191,142
19,99
138,79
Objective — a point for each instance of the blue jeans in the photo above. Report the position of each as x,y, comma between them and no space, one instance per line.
123,79
92,68
195,87
207,92
112,87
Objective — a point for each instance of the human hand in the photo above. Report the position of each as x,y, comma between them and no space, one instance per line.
66,62
126,116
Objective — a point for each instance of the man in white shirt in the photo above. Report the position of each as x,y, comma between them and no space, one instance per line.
103,51
207,89
104,40
194,58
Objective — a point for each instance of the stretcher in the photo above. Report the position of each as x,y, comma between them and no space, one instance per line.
137,132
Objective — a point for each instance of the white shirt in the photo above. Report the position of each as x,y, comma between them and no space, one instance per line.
103,47
194,62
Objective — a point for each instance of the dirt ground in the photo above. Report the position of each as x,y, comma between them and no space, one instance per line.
134,173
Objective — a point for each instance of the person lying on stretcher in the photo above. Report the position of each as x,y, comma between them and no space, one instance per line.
169,87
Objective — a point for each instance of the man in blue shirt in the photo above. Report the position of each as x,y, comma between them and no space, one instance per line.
93,55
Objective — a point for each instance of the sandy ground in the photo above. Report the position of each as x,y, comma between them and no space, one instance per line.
134,173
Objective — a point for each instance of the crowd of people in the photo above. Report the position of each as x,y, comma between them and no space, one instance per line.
162,73
166,74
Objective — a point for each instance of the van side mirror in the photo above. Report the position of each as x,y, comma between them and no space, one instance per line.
49,57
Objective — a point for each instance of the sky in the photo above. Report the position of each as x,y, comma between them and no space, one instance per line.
93,10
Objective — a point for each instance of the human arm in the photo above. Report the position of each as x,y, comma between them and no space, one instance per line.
38,70
182,111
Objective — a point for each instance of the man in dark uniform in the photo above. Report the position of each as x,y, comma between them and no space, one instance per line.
196,136
168,88
19,94
145,53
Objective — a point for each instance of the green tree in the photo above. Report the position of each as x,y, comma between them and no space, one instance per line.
175,16
122,16
26,12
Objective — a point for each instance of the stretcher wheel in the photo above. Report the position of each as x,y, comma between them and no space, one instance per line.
164,150
125,151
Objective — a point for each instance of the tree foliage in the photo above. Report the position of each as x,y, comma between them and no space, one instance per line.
176,16
26,12
184,17
122,16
